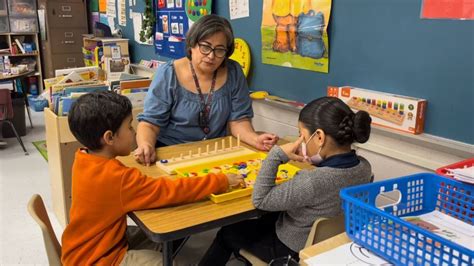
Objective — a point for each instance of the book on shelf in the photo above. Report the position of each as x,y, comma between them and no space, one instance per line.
20,46
14,49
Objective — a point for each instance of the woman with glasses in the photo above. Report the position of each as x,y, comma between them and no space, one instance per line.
199,96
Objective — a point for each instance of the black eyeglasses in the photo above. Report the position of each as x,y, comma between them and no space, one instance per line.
206,50
204,119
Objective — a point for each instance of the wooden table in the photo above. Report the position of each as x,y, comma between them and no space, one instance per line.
4,77
323,246
171,223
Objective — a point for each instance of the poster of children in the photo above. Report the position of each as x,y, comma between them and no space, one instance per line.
174,17
294,34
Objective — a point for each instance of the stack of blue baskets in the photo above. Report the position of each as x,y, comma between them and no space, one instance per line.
383,232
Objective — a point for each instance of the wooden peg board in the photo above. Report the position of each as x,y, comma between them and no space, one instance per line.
383,113
212,152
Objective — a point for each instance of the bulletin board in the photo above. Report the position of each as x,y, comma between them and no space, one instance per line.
173,19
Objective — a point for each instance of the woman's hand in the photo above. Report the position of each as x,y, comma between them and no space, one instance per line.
266,141
145,154
292,150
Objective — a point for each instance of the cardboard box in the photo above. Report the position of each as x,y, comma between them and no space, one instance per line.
388,110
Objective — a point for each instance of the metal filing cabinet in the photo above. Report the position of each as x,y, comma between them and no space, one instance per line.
65,23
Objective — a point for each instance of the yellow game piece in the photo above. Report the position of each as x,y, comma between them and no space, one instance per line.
259,95
242,55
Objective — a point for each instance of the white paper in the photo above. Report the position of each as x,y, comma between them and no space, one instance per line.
348,254
137,27
111,22
130,3
122,17
446,226
130,13
238,8
111,10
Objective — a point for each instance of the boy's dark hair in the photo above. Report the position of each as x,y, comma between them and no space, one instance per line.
95,113
337,120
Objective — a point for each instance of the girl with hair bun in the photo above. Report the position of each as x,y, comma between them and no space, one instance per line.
328,128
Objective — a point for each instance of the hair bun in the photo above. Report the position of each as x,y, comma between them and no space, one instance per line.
362,122
345,134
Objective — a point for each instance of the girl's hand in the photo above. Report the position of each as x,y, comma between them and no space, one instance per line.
292,150
266,141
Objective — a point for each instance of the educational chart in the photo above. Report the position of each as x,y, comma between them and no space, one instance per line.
225,158
173,19
294,34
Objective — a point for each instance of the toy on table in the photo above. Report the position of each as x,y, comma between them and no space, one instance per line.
248,166
224,157
214,152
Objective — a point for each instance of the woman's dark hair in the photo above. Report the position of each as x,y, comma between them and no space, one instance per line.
337,120
95,113
206,27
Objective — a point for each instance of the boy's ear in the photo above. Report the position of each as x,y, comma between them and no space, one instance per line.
108,137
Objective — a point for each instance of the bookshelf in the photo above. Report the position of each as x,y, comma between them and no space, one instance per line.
29,55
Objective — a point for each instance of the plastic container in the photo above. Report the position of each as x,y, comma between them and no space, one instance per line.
6,64
23,24
382,231
462,164
37,104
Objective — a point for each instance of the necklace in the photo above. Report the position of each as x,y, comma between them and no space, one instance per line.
205,109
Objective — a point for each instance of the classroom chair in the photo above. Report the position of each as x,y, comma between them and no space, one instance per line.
38,212
6,113
322,229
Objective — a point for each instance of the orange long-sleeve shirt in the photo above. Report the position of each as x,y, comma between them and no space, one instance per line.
104,191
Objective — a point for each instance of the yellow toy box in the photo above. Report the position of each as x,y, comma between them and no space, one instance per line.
388,110
247,165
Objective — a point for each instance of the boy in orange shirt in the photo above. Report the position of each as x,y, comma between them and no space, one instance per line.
104,190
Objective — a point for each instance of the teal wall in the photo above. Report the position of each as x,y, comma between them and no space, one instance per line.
381,45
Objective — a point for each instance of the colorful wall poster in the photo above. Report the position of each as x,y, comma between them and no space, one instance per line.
442,9
173,19
294,34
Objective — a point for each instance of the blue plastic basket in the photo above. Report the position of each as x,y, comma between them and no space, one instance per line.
37,104
398,241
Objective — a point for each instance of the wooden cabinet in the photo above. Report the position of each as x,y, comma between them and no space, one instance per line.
64,24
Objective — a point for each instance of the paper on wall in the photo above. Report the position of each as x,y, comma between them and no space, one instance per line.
122,17
238,9
111,23
137,27
111,11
